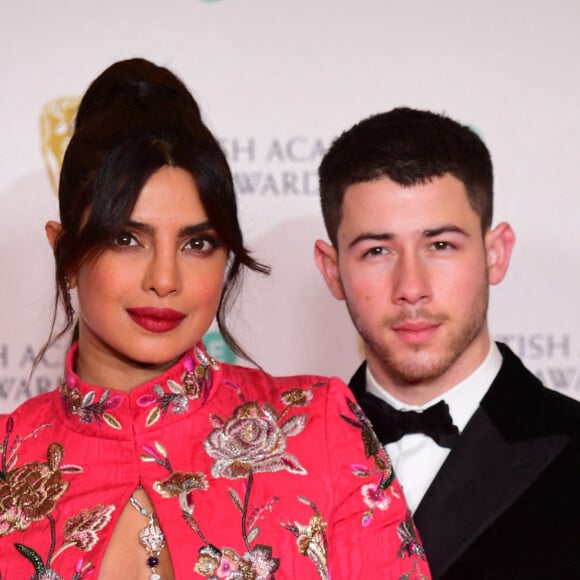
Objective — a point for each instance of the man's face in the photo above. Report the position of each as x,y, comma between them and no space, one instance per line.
414,268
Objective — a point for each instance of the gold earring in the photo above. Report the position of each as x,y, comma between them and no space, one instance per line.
67,298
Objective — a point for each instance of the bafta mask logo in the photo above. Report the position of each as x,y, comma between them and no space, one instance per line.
56,127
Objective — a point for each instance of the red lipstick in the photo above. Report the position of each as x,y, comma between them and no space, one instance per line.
156,319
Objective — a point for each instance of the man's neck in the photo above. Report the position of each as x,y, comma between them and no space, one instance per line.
462,399
421,392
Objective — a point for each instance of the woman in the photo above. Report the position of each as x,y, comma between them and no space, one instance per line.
151,459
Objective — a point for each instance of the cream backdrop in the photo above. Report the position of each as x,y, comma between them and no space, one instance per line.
277,80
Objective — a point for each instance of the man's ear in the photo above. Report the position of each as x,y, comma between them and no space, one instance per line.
499,244
326,258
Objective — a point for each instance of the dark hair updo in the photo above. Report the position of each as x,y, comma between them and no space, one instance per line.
134,119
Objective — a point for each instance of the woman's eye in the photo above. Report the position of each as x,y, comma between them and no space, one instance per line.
124,239
201,245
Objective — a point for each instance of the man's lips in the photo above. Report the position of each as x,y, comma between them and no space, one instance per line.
156,319
415,331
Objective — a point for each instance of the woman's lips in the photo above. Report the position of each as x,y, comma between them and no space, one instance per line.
416,331
156,319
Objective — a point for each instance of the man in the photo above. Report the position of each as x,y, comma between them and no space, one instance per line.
493,478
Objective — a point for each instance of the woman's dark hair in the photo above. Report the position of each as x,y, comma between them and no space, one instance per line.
134,119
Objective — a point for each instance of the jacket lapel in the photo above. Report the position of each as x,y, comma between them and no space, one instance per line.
358,381
481,478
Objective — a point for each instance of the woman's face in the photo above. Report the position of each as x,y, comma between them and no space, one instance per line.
152,294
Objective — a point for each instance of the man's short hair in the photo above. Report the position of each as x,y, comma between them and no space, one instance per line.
409,147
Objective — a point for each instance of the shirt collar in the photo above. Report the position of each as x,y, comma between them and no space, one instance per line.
463,399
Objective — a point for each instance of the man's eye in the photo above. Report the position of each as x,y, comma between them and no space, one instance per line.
441,245
378,251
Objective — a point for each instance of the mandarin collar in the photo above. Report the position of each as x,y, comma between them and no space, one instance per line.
114,414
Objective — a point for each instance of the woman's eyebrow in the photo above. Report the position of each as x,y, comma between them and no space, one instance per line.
195,229
183,232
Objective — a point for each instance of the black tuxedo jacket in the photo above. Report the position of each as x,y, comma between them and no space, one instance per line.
506,502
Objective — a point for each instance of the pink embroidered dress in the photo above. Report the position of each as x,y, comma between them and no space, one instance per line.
251,477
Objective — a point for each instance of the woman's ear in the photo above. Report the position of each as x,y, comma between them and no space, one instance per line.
53,231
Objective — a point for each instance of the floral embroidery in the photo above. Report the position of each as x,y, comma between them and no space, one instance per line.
375,495
251,517
29,494
410,547
86,408
195,383
43,572
297,397
10,452
378,495
256,564
80,530
311,539
251,441
180,484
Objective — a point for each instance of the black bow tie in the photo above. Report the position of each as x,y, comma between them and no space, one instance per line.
390,424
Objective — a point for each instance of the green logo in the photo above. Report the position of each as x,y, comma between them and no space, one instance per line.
217,347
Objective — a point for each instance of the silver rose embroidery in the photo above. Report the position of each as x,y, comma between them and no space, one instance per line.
251,441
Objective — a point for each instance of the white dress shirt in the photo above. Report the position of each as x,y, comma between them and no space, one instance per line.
416,457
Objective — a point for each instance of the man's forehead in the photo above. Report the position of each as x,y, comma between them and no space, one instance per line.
384,206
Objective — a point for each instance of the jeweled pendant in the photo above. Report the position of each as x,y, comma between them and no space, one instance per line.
151,537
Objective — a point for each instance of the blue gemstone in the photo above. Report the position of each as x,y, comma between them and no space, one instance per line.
152,561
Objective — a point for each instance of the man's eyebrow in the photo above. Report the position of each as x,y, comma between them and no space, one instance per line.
429,233
372,237
446,229
183,232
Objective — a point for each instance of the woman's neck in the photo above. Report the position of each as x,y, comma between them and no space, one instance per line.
115,372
